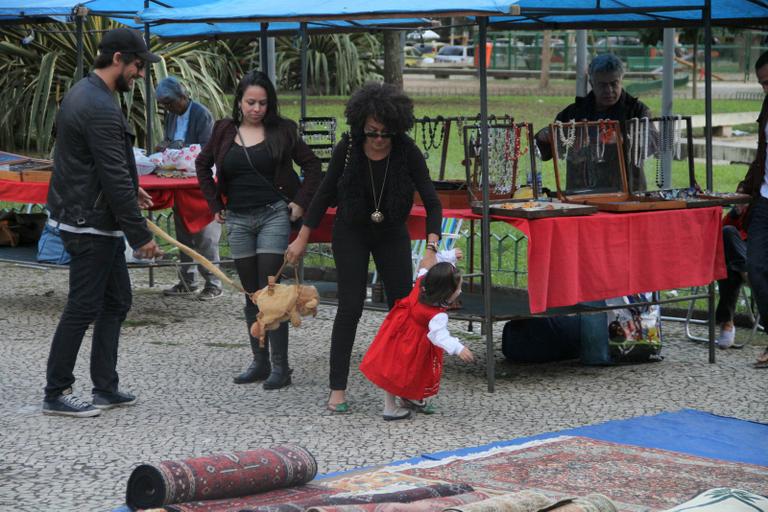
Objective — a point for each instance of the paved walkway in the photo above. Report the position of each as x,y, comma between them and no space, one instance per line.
179,356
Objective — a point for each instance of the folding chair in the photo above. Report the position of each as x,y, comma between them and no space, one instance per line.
752,312
450,231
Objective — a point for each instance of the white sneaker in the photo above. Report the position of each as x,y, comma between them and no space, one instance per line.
726,338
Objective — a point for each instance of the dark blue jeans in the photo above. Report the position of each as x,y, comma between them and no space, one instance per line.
757,255
99,294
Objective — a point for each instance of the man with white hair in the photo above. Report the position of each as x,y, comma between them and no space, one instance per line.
188,122
607,100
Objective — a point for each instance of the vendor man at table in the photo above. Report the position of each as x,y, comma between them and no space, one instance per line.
95,200
606,100
756,184
188,122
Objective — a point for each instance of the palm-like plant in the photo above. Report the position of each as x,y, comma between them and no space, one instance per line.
34,77
336,63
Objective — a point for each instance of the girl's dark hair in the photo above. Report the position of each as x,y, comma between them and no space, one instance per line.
439,283
280,133
386,103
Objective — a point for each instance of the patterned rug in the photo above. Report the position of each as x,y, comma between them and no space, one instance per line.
300,499
635,478
225,475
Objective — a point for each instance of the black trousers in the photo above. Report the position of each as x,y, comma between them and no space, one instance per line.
736,262
757,255
99,294
352,247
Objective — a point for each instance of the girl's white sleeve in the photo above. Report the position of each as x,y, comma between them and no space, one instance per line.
440,336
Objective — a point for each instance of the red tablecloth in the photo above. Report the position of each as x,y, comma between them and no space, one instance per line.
570,259
165,192
593,257
186,194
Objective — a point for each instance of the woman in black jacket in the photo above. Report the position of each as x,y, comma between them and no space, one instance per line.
257,194
372,176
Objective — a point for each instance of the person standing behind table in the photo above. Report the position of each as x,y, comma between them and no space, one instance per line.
257,195
606,100
94,199
371,177
755,183
188,122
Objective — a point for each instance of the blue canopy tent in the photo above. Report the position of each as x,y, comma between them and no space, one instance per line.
579,14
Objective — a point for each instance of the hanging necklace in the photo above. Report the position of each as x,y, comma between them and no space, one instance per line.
377,216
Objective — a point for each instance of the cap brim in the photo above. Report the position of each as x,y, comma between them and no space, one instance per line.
149,57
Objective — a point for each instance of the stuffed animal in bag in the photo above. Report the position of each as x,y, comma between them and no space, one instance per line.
278,303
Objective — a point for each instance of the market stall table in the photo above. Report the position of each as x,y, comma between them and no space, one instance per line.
183,192
586,258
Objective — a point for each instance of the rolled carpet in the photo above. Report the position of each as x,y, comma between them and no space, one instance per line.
225,475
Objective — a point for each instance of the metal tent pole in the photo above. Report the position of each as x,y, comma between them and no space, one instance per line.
263,50
485,223
667,92
148,89
708,136
149,113
303,53
79,41
581,63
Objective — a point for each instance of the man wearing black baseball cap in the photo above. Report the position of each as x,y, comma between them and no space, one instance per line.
94,200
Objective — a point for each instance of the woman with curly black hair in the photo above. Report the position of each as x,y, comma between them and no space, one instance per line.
372,175
257,194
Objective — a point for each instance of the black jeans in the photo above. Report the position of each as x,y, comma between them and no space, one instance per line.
757,255
99,293
352,247
736,262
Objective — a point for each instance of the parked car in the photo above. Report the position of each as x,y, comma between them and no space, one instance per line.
611,41
412,57
429,48
458,55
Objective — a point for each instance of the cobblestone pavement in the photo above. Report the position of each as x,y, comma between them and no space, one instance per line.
179,356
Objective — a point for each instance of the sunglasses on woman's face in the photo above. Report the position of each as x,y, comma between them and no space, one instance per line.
376,135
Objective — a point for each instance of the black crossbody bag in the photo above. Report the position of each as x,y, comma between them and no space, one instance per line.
295,224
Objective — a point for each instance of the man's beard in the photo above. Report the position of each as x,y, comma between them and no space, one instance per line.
122,84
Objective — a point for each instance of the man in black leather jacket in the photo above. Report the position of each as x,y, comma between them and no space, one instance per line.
94,199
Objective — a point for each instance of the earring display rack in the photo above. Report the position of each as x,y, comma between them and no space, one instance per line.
21,168
320,135
655,137
509,156
600,174
433,136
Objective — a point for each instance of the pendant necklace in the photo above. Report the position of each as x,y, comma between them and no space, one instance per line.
378,217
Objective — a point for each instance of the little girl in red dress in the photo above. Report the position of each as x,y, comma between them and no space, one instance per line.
406,356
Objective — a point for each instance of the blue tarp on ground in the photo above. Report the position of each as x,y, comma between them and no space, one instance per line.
686,431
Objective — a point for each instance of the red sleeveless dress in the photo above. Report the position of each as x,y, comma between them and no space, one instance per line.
401,359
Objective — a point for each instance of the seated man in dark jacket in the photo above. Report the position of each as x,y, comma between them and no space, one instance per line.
607,100
188,122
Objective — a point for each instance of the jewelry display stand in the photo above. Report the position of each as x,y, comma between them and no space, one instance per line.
320,135
433,136
650,139
20,168
595,172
